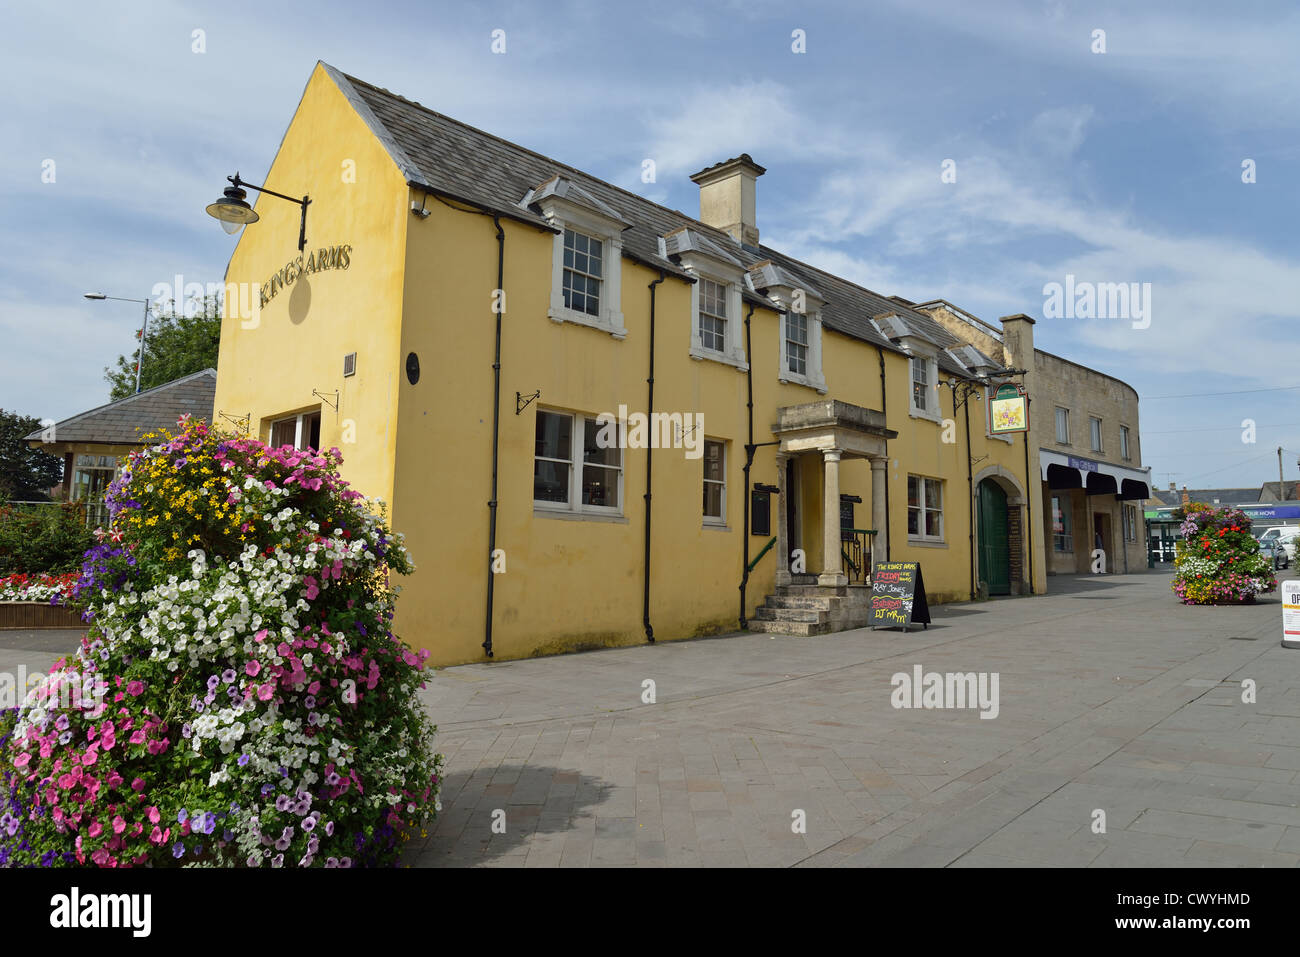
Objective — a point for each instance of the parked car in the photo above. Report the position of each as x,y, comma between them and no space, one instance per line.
1274,550
1285,534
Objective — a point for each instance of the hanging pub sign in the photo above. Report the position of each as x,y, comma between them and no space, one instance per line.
1008,410
898,595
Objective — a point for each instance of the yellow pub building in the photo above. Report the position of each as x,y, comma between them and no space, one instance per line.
598,421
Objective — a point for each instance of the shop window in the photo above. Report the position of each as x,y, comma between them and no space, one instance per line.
1130,515
572,472
924,509
715,482
300,431
1062,538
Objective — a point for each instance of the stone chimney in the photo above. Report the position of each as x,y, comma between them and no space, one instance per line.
727,197
1173,486
1186,498
1018,341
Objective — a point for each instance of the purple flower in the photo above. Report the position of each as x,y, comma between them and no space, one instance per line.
182,815
178,849
243,759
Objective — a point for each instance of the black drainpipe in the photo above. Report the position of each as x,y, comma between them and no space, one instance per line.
749,461
970,482
1031,489
884,412
649,452
499,306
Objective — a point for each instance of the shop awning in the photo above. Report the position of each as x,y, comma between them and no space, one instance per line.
1062,471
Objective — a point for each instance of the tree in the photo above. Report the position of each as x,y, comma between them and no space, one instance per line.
175,345
26,474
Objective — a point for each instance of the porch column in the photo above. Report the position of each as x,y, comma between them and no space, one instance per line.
782,542
879,517
832,571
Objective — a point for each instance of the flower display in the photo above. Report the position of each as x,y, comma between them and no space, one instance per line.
1218,561
255,708
38,587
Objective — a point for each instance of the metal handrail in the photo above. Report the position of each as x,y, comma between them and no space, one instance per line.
766,548
855,550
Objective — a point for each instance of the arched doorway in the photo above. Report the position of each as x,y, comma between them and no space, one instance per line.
994,538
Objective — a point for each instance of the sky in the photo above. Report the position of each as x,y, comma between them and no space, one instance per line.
975,152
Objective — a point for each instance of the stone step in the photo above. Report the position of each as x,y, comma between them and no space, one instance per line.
799,629
811,591
811,615
788,601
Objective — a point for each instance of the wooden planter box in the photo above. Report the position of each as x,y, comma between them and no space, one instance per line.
36,614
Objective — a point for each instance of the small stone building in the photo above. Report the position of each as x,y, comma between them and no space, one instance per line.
95,444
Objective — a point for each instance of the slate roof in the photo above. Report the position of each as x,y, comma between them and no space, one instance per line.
124,421
1268,492
1225,496
447,157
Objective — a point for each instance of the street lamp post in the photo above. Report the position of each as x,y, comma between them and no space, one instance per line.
144,329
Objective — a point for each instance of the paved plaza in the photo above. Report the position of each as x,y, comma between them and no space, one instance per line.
1113,698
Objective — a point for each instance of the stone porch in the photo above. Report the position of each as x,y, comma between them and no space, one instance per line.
822,601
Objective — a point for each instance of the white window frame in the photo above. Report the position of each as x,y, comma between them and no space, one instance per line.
1059,422
931,409
1095,433
814,377
715,519
1125,449
299,420
925,482
702,266
565,215
577,436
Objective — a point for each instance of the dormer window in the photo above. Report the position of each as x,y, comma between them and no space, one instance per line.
800,356
925,387
796,343
921,384
583,275
713,315
587,255
715,295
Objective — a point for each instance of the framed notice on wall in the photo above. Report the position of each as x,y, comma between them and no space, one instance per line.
1008,410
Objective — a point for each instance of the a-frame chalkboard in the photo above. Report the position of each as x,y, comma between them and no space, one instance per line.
898,595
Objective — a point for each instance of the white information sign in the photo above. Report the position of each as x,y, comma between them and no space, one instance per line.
1291,613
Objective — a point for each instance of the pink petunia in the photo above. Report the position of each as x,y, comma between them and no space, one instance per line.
134,688
252,668
265,692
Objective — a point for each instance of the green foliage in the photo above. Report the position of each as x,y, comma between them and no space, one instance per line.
26,474
175,346
42,538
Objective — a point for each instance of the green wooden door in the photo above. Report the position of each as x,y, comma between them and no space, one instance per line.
994,552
